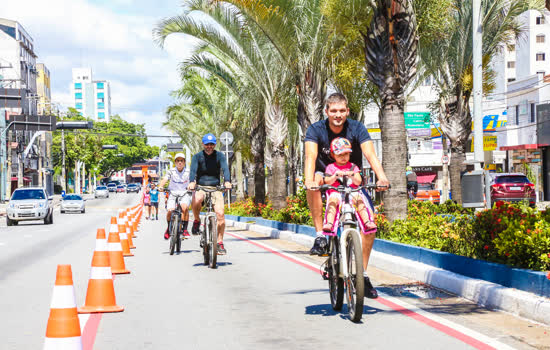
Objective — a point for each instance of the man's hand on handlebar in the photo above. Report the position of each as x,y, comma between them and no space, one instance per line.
383,185
191,186
227,185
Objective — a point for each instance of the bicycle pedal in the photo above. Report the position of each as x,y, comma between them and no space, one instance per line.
325,276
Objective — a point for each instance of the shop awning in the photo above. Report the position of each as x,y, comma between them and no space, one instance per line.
519,147
426,178
25,179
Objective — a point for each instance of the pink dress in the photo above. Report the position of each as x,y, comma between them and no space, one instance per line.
366,227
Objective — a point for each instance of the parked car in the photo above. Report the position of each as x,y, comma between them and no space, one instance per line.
512,187
132,188
101,191
111,186
72,203
120,188
30,203
426,192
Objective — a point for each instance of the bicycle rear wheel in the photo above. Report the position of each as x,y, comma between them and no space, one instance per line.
212,241
335,282
174,223
204,240
355,286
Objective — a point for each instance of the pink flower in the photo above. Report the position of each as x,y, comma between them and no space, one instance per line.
486,247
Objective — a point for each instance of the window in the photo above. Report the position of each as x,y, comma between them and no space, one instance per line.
541,56
517,115
100,85
78,95
541,39
101,115
532,119
101,105
512,64
100,95
78,86
78,105
511,80
540,20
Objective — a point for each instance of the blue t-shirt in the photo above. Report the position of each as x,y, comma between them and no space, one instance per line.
322,135
154,195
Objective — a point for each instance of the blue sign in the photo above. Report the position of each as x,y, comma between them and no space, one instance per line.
62,193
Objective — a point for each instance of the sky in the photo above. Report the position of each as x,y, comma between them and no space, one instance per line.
114,38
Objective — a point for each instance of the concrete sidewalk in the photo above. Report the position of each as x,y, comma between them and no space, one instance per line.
487,294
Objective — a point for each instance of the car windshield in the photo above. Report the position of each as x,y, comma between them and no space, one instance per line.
512,179
101,188
425,186
111,185
28,194
72,197
120,186
132,185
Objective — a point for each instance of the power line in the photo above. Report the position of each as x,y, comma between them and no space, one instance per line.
123,134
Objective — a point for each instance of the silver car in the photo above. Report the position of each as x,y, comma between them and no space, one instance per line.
101,191
72,203
30,203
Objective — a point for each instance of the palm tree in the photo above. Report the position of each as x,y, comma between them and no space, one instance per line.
449,60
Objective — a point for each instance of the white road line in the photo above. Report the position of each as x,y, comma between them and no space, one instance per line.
469,332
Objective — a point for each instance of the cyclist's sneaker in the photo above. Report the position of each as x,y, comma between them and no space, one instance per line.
186,234
166,234
202,242
370,292
221,249
196,227
319,247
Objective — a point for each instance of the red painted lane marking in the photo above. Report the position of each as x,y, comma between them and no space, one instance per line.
436,325
90,331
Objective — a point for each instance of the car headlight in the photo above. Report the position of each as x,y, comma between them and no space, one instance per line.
13,205
41,205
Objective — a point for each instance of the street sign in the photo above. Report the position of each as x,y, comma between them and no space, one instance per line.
228,151
33,122
417,120
174,147
226,138
445,159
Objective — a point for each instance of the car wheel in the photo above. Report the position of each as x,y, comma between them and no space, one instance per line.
62,211
83,211
9,222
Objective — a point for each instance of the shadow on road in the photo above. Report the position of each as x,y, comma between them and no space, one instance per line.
184,252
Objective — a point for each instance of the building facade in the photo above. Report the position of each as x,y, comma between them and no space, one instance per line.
44,90
92,98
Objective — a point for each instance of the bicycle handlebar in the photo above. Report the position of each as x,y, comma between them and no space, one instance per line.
220,188
342,188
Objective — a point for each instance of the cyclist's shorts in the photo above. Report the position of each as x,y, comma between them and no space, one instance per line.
217,197
185,200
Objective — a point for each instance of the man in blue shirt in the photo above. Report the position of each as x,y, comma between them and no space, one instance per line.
206,168
317,156
154,193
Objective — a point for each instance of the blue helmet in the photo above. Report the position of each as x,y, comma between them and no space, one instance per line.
209,138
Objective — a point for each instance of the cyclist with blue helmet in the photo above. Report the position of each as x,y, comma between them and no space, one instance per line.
206,168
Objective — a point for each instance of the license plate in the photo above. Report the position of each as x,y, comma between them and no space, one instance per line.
515,188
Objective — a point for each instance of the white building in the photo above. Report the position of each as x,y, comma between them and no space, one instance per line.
92,98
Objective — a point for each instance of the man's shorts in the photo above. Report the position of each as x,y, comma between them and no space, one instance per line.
217,197
155,204
185,199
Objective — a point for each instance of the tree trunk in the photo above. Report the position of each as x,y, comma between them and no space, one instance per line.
311,95
239,175
277,124
394,160
457,167
257,148
278,194
250,178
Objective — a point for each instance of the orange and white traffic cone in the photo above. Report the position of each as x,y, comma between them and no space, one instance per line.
115,250
124,240
129,232
100,296
63,330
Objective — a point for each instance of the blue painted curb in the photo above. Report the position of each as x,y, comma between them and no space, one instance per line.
527,280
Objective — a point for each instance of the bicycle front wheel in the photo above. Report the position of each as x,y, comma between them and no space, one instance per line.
355,284
212,241
335,282
204,240
174,223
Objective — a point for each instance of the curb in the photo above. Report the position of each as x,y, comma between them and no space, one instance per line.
487,294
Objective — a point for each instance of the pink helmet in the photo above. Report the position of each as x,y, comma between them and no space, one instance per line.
340,145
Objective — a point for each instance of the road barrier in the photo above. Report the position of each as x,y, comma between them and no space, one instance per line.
124,240
115,250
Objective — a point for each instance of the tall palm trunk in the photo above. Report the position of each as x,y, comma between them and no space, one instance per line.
239,175
277,124
390,50
311,95
257,148
456,123
250,178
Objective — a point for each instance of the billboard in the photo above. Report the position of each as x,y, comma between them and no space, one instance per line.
543,123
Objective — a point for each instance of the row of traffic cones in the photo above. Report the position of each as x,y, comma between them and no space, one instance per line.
63,329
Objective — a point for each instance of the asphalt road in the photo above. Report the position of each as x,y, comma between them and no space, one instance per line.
255,299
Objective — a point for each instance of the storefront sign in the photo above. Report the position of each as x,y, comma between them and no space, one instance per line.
417,120
489,143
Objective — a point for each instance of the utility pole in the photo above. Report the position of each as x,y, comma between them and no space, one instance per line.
63,171
479,155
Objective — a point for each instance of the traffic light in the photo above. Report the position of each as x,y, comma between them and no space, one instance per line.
74,125
109,147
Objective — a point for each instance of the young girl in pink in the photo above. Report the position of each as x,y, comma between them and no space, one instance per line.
147,202
340,149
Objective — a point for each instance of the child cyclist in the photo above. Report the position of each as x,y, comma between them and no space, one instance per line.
340,149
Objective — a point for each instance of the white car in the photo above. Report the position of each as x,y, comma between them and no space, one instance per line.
101,191
72,203
30,203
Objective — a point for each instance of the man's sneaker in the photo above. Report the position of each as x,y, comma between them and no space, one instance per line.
202,242
166,234
221,249
186,234
370,292
196,227
319,247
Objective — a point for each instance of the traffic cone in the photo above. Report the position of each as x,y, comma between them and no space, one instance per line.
115,250
63,330
100,235
129,232
100,296
124,240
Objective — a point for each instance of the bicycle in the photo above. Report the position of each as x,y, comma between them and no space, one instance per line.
175,223
344,265
209,227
